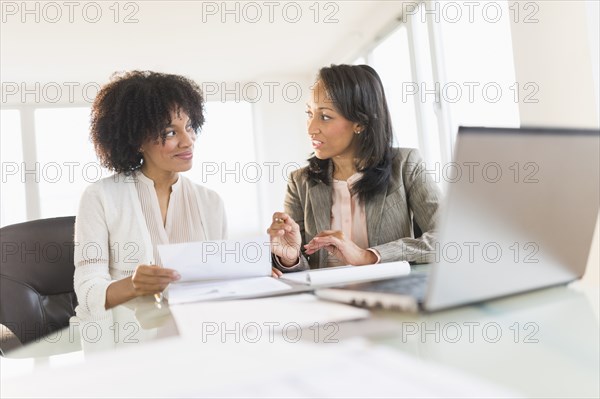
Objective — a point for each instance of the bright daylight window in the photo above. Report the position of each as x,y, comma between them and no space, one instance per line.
67,164
12,195
473,75
66,161
391,60
479,54
225,161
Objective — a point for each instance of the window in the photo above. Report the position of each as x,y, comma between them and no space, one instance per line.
225,162
478,54
404,63
62,163
391,60
424,90
66,161
440,72
12,195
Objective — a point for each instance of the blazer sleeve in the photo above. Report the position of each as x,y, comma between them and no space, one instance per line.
293,207
423,200
91,277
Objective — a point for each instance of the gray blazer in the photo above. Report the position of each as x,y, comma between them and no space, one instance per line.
410,196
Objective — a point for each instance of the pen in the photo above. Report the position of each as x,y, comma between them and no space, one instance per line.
158,297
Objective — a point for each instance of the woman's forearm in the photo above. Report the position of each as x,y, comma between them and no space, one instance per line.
119,292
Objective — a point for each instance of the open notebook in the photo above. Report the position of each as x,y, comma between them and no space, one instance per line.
349,274
217,270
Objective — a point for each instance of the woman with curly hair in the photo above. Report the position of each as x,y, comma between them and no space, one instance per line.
144,127
359,200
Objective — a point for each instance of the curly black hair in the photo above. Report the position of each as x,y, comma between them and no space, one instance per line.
135,107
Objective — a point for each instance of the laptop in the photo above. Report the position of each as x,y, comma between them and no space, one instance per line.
519,215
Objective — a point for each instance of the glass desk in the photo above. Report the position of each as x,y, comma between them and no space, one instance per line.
540,344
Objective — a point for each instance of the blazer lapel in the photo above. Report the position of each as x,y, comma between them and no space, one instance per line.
374,210
320,201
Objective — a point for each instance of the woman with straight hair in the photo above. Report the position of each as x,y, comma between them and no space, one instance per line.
360,200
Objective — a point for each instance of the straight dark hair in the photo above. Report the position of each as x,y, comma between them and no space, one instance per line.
357,94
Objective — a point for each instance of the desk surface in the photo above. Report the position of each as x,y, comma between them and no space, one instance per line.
539,344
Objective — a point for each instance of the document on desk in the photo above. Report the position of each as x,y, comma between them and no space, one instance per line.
195,291
218,260
349,274
268,314
214,270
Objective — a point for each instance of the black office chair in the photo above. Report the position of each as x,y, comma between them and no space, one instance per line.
36,277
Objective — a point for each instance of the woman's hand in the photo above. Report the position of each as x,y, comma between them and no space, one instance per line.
148,280
275,273
342,248
285,238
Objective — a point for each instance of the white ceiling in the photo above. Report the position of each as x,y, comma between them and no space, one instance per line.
182,37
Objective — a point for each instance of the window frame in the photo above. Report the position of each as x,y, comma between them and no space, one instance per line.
441,109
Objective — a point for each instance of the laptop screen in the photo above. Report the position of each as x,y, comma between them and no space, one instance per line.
520,212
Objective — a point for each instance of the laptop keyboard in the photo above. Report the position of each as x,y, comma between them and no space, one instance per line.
412,285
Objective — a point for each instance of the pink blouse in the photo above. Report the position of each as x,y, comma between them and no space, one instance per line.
348,215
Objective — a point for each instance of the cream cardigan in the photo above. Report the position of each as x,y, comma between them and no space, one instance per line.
112,239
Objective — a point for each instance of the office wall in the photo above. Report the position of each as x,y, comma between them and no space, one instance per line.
559,53
593,17
555,53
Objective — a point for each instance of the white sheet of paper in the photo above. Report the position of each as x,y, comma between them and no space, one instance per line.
303,310
198,291
218,260
350,274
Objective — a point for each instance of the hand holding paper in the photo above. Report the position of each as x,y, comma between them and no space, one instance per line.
218,260
246,267
213,270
